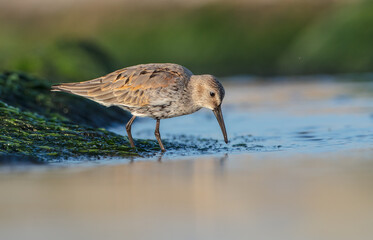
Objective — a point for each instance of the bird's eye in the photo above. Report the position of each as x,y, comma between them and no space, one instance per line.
212,94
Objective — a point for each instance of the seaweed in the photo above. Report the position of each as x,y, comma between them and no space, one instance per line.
28,135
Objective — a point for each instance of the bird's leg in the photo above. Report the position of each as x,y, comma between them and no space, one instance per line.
158,135
160,156
128,128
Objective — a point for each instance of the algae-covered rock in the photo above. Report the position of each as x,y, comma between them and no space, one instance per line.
32,137
32,94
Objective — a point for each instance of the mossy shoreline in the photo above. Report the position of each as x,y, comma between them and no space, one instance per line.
36,132
39,139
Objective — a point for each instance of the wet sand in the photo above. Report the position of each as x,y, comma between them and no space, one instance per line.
317,185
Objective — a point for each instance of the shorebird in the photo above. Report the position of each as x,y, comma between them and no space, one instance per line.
157,90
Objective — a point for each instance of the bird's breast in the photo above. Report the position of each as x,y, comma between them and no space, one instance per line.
162,111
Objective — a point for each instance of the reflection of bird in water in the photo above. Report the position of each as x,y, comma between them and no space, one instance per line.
158,91
223,159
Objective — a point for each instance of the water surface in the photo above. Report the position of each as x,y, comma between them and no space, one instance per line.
298,166
311,116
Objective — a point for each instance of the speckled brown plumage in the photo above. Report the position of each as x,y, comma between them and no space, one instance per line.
152,90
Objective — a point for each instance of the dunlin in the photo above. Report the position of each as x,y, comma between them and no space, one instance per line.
158,91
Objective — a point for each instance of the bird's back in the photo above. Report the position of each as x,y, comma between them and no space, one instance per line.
140,89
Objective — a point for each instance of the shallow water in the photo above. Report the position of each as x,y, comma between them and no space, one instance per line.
299,165
284,116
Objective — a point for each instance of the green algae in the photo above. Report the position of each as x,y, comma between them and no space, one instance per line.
30,135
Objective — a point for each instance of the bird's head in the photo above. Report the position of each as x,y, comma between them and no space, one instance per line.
209,93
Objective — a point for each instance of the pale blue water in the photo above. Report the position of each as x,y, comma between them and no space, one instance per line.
298,166
320,116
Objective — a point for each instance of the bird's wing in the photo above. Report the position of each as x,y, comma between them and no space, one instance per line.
130,86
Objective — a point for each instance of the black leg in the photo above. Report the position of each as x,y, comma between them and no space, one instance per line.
128,128
158,135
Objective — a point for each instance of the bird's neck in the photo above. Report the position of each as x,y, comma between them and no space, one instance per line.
195,89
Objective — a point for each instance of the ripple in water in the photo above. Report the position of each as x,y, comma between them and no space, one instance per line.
262,118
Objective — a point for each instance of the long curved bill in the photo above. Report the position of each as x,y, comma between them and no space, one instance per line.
219,117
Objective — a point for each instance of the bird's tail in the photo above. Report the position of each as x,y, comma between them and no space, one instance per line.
95,89
79,88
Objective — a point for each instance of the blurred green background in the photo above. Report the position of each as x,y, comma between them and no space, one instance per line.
83,39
